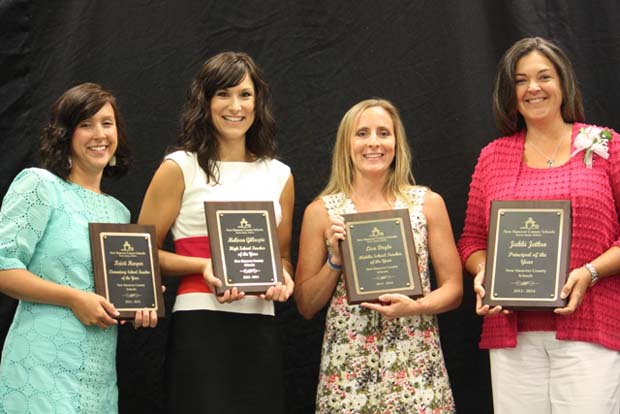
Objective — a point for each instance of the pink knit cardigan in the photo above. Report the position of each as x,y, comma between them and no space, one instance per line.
595,198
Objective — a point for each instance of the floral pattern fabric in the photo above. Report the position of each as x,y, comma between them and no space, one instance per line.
370,365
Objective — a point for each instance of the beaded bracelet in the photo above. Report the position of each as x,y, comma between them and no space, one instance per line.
332,265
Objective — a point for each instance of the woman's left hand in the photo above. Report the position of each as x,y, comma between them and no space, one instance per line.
575,289
395,305
145,318
280,292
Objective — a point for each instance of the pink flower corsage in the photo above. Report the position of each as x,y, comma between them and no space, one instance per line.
592,140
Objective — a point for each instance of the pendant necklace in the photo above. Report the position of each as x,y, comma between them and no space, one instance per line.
550,159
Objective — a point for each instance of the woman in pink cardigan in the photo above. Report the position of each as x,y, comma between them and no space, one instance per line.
565,360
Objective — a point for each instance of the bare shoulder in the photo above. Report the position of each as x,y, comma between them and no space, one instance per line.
434,205
168,177
170,169
316,211
433,199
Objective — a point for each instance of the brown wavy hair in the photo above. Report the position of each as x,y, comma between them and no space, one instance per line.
75,105
507,117
198,133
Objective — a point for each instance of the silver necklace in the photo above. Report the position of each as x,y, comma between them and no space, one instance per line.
550,159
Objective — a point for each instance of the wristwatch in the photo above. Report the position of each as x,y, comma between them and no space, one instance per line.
593,273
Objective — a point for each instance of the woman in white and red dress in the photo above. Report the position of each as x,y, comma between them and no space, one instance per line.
223,351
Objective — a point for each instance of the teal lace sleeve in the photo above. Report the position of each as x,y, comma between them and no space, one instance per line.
25,212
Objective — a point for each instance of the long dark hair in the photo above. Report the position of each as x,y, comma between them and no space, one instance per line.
75,105
507,118
198,134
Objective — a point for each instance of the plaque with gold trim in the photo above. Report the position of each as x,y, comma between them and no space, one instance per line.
379,256
527,254
243,237
126,267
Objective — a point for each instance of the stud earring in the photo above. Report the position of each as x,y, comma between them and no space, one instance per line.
112,162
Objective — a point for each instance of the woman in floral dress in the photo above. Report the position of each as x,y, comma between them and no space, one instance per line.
380,357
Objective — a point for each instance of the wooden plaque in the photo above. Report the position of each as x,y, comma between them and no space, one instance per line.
126,267
528,254
379,256
243,238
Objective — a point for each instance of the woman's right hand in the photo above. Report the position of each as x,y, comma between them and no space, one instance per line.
92,309
230,295
333,235
481,309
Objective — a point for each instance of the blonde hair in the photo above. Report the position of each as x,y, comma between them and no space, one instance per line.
400,176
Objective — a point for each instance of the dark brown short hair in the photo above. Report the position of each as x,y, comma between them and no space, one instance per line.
507,118
225,70
75,105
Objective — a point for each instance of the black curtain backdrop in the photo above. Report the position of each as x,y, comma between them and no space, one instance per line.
434,59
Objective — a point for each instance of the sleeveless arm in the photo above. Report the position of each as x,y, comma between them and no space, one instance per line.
315,281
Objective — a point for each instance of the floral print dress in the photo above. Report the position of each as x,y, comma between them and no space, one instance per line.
370,365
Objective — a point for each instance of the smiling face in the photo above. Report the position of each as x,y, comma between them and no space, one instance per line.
232,109
94,142
538,88
373,142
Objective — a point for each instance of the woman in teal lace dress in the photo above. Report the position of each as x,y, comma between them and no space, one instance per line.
380,357
60,352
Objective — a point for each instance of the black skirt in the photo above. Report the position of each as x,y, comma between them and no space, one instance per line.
224,363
